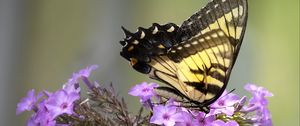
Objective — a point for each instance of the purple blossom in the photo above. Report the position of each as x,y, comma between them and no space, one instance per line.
41,119
258,104
144,91
259,95
82,73
187,120
222,123
205,119
43,115
61,102
71,88
225,104
54,104
28,103
166,115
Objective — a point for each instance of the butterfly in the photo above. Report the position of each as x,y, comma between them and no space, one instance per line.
195,59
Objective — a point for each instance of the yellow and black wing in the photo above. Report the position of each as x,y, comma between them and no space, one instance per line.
195,59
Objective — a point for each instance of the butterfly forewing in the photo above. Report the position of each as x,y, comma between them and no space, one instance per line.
201,72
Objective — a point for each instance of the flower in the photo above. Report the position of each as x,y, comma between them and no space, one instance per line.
166,115
228,110
258,104
82,73
40,119
222,123
52,105
61,102
28,103
205,119
259,95
144,91
71,87
187,120
225,104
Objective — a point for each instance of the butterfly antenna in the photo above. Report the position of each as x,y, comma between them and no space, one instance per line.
228,93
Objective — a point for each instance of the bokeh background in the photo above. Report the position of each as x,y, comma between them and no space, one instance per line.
43,41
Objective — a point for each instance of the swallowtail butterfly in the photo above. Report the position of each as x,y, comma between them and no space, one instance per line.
195,59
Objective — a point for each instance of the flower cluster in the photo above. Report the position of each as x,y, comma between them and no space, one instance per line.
228,110
102,106
48,106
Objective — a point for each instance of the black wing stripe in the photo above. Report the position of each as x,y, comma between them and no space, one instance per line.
216,39
211,88
193,62
170,78
232,16
215,16
199,80
221,14
198,47
225,9
216,59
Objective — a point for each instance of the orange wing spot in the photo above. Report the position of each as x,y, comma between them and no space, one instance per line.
133,61
130,48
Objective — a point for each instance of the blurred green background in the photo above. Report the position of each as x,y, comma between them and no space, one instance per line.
43,41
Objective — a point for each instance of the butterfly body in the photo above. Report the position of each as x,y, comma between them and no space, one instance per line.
195,59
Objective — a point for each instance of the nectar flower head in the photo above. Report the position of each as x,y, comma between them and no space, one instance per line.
144,91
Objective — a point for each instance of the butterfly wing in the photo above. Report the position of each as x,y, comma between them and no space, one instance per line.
196,58
202,64
229,16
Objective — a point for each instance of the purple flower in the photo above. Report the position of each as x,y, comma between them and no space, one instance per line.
54,104
40,119
222,123
61,102
166,115
259,94
43,115
225,104
28,103
71,88
258,103
205,119
187,120
144,91
82,73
